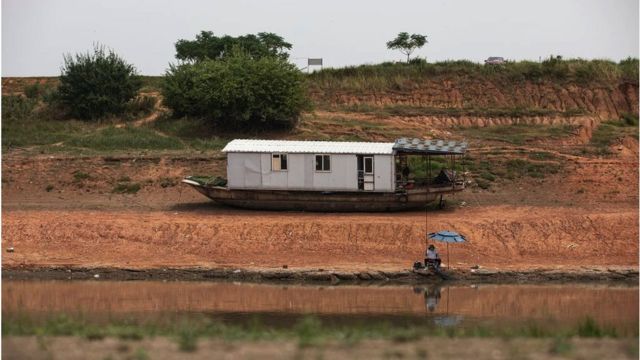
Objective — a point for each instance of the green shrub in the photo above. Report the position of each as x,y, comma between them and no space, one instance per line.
488,176
96,84
237,92
17,108
630,119
590,328
629,69
32,91
483,184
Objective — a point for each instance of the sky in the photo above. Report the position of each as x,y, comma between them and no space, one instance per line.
36,33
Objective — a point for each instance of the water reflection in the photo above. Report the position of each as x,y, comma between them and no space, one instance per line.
432,295
458,305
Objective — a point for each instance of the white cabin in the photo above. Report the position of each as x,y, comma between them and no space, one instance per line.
310,165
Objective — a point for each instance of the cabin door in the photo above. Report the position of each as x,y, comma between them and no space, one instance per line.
365,173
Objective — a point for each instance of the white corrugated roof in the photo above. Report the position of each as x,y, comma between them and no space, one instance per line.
314,147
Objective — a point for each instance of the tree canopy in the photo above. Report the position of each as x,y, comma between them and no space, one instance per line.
208,46
407,43
237,92
97,83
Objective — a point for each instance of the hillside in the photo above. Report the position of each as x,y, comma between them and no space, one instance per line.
552,173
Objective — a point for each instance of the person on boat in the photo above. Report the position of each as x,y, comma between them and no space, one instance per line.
432,257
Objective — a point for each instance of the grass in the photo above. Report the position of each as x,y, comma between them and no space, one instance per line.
125,138
518,134
390,76
27,123
413,111
608,132
521,167
308,330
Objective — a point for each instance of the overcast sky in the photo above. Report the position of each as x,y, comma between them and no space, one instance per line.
35,33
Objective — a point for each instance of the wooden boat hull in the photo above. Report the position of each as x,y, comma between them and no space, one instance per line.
325,201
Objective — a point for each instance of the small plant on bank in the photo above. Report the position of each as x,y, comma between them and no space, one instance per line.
483,184
80,176
98,83
141,354
126,188
308,330
187,339
166,182
561,346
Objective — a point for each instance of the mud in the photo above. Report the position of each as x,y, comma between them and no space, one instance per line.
611,275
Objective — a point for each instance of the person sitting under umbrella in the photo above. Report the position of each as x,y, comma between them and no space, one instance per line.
432,257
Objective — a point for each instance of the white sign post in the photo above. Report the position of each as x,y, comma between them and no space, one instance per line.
316,62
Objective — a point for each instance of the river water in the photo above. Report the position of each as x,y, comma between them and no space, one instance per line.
547,306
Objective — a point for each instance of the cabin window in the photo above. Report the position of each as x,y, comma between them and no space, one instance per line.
279,162
323,162
368,165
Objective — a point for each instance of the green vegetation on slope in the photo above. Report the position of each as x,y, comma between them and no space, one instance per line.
608,132
518,134
26,123
413,111
390,76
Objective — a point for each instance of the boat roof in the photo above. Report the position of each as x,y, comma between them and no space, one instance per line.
402,145
312,147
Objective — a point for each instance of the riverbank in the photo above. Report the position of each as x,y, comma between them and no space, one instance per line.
326,276
429,347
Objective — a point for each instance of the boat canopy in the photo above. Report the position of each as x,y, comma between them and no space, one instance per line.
430,147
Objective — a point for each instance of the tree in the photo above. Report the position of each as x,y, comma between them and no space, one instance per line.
96,84
407,43
208,46
237,92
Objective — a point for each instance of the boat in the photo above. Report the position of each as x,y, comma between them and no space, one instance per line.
330,176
